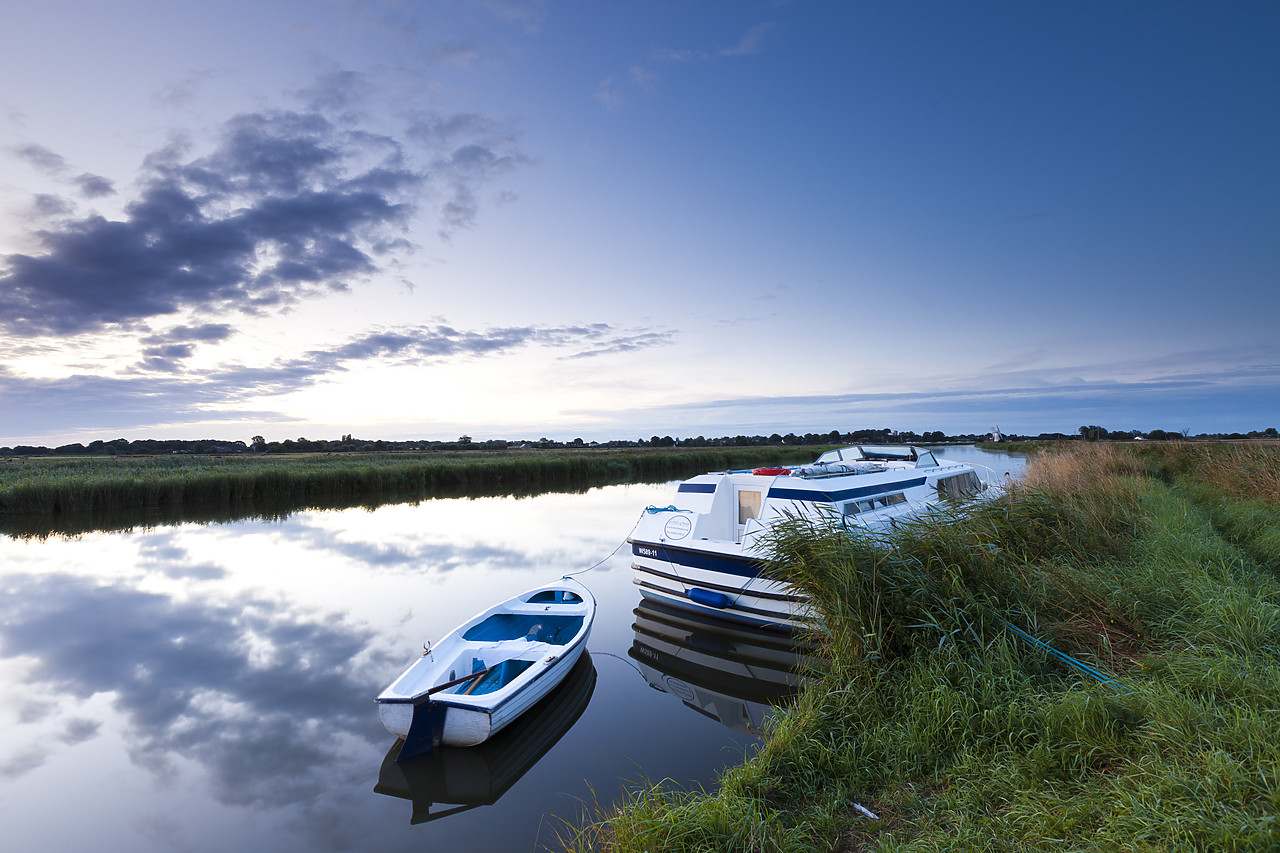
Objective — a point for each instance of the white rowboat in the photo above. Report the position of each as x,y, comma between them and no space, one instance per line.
490,669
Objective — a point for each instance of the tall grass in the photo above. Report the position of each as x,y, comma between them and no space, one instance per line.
61,494
958,735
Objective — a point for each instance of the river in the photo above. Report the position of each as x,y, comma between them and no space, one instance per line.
210,686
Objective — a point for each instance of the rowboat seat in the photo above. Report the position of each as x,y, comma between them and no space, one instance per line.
536,627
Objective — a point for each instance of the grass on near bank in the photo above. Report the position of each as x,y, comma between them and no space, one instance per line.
1156,566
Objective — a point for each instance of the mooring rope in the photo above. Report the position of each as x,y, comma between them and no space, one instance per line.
1065,658
611,554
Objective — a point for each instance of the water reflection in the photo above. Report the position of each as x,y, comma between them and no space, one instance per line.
209,686
262,699
734,674
480,775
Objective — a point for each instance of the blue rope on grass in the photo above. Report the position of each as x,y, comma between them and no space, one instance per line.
1067,659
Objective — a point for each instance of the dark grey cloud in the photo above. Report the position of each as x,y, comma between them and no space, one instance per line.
39,157
203,333
55,165
287,204
166,351
79,731
46,205
94,186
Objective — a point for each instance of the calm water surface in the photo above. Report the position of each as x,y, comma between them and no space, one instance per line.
210,687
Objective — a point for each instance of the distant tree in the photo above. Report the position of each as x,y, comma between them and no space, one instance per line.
1093,433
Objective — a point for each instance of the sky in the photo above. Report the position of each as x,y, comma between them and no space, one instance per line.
532,218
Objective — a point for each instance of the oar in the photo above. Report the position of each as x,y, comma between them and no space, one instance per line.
458,681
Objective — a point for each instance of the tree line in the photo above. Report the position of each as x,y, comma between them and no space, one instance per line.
350,444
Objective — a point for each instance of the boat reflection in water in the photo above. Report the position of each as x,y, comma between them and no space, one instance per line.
729,671
477,776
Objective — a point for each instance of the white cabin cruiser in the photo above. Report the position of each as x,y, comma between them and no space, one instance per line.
705,552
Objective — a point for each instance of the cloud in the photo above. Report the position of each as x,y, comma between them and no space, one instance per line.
424,344
54,165
46,205
626,343
1225,400
611,94
287,205
161,390
94,186
469,151
205,332
752,41
165,351
41,158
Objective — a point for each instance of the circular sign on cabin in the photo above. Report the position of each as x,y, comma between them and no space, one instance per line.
678,527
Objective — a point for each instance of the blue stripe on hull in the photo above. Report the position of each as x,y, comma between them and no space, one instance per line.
816,495
671,599
743,567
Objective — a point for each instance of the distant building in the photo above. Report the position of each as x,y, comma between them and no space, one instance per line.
995,434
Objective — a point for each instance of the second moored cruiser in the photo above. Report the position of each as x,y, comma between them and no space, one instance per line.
705,551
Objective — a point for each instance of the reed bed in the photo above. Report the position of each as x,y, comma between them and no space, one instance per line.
931,714
61,494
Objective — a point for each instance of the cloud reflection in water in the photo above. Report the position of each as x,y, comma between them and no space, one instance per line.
258,697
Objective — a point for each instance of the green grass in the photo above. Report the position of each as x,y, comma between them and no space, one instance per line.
959,736
68,495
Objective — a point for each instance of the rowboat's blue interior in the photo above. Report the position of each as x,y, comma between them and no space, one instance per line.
537,627
496,678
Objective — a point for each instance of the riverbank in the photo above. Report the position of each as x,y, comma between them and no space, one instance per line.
74,494
1152,571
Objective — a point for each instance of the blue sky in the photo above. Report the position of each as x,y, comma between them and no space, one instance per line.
608,220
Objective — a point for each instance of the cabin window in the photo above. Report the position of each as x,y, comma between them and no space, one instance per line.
748,505
926,460
959,485
872,504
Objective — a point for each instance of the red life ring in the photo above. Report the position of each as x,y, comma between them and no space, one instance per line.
771,472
